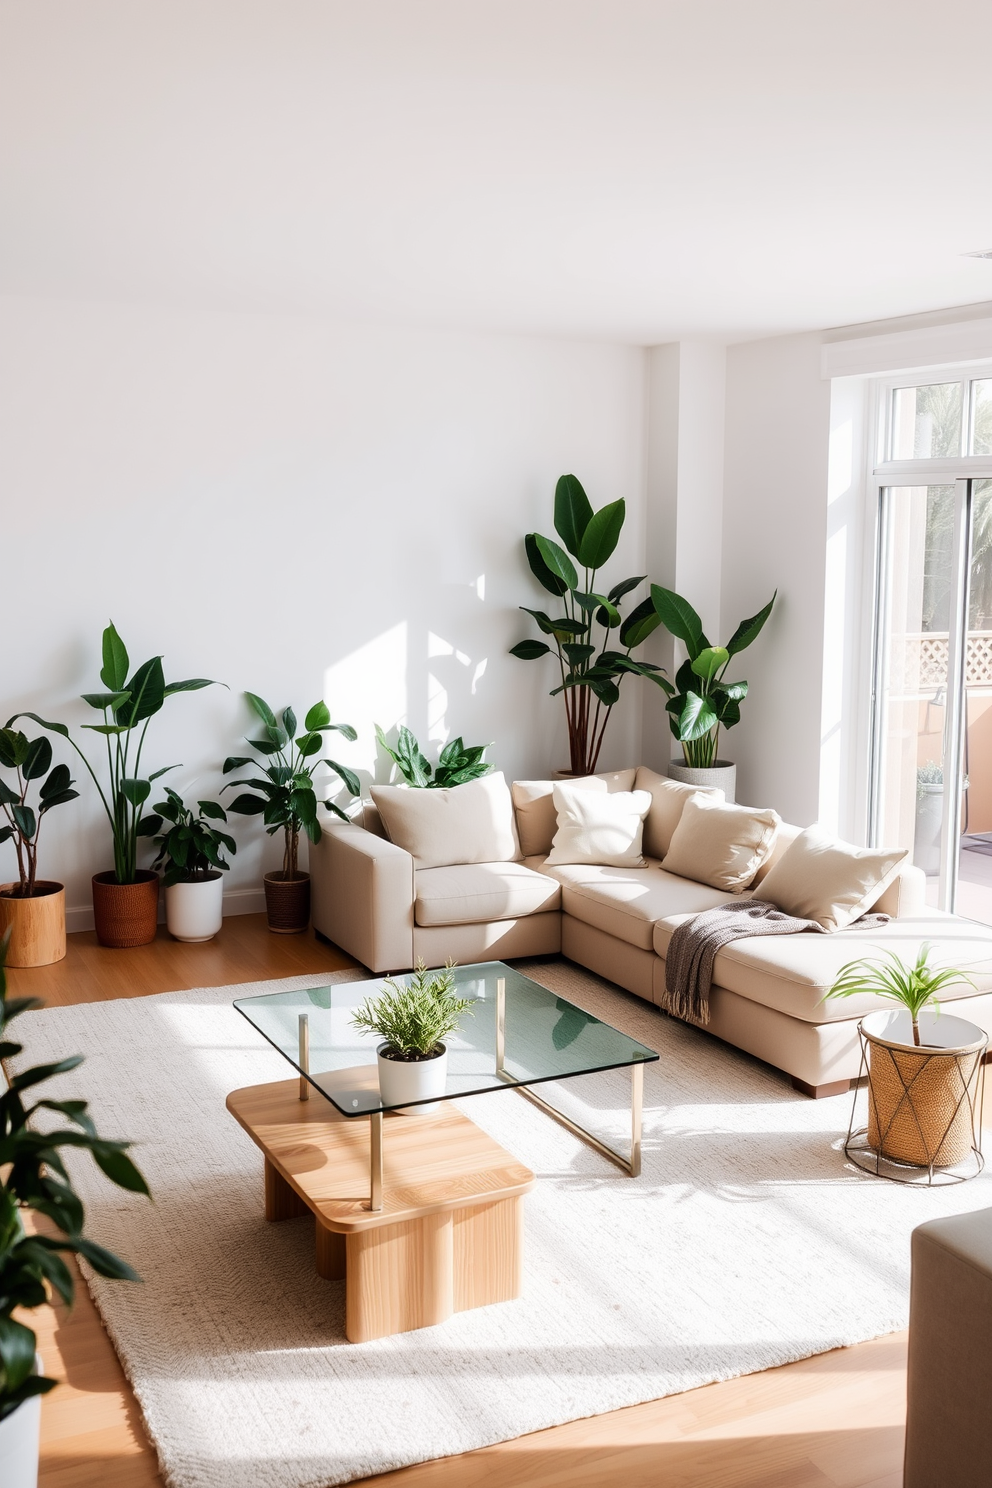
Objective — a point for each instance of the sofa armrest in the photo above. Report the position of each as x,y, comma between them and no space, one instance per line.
362,896
906,896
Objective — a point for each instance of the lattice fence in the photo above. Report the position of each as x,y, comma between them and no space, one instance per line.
924,660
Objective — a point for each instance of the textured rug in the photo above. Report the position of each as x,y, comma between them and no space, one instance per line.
747,1242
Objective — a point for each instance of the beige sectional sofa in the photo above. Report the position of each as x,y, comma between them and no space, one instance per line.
370,897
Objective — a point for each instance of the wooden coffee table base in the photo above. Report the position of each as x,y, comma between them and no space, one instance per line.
449,1234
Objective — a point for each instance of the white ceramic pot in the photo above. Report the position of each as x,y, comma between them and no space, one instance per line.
195,911
721,776
413,1080
19,1439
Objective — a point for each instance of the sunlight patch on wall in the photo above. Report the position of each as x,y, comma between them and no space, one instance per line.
366,688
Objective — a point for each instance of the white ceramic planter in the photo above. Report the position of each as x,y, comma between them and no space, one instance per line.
413,1080
195,911
721,776
19,1439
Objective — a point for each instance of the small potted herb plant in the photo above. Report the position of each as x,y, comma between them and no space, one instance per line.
33,909
413,1018
191,852
283,795
33,1177
456,763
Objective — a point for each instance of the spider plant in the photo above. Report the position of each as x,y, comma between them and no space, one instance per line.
914,987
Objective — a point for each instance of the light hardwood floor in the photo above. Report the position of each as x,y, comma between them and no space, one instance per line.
834,1421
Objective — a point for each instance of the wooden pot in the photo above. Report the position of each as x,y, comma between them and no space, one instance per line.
37,925
125,914
287,902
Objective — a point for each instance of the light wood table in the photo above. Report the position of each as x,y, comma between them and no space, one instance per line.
449,1234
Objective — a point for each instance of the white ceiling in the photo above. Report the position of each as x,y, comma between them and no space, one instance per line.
638,170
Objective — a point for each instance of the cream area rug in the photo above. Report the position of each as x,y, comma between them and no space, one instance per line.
747,1242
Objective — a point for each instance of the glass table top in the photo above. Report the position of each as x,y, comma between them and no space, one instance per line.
544,1037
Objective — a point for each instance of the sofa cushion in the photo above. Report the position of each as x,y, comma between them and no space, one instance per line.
625,902
471,823
792,973
721,845
533,803
599,827
474,893
832,882
667,800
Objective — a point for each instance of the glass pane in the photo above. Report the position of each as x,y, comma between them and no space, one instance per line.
981,417
974,897
926,421
914,671
546,1038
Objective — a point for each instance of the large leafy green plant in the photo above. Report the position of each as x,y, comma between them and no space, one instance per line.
703,701
128,706
285,797
592,641
456,763
190,847
31,759
34,1177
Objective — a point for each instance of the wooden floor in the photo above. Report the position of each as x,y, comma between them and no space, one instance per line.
834,1421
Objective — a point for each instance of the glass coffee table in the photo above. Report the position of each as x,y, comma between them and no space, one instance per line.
518,1036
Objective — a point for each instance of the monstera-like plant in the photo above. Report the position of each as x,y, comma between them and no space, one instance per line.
592,641
703,701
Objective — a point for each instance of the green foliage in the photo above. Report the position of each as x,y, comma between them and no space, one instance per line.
30,759
702,702
127,707
456,764
915,987
592,667
191,847
34,1177
414,1018
284,794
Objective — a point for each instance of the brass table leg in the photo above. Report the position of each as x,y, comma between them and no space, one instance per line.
304,1055
375,1160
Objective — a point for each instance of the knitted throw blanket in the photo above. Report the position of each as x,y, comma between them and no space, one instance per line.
694,945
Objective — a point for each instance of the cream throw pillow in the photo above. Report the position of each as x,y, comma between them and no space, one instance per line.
667,800
834,883
534,804
720,845
599,827
471,823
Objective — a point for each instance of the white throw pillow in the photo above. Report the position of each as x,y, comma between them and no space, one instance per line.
599,827
819,878
534,804
668,797
720,845
471,823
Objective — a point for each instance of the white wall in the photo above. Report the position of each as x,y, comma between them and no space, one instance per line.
298,508
774,536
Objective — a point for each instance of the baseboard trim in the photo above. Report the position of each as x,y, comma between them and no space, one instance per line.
236,902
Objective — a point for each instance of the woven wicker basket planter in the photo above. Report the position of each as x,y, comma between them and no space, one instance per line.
924,1103
125,914
287,903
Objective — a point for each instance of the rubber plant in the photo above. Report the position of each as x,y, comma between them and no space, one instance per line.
457,762
128,706
592,641
33,1177
283,793
702,701
30,759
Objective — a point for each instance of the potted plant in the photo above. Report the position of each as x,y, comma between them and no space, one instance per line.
287,801
922,1068
412,1018
33,1177
702,701
592,664
125,898
456,763
191,852
33,909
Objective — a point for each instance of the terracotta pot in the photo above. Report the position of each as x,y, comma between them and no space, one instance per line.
37,925
287,903
125,914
